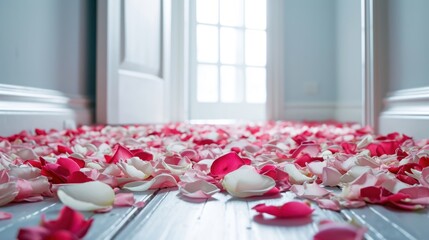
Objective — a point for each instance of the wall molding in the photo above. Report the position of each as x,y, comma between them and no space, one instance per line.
25,108
406,111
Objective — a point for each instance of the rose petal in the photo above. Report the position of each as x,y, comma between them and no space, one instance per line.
124,200
330,176
296,176
139,204
330,204
339,230
161,181
309,191
177,165
136,168
121,153
69,220
354,173
87,196
226,164
287,210
5,215
8,189
246,182
199,189
316,168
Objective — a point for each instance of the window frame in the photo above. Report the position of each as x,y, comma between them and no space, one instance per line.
223,110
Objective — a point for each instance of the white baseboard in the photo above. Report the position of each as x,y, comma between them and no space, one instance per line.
309,111
406,111
26,108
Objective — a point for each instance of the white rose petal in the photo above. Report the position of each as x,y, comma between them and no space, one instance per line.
87,196
246,182
296,176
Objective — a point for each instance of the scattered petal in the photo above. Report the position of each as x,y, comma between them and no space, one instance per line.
69,225
199,189
5,215
287,210
161,181
226,164
246,182
339,230
87,196
296,176
124,200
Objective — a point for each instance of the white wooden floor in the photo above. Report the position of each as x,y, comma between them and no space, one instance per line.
168,215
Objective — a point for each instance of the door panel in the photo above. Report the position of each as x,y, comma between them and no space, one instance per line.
142,39
132,56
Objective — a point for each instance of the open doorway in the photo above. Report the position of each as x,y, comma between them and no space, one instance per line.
228,56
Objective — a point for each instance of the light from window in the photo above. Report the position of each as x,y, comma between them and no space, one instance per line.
207,85
231,51
207,11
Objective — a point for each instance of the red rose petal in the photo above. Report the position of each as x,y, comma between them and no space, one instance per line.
287,210
121,153
226,164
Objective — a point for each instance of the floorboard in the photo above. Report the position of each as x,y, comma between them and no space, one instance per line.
169,215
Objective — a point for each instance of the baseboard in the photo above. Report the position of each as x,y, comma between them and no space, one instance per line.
406,111
26,108
309,111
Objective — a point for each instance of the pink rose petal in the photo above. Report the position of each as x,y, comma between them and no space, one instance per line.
124,200
287,210
139,204
330,204
339,230
5,215
330,176
309,191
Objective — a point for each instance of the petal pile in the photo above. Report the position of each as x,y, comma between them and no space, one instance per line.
69,225
82,166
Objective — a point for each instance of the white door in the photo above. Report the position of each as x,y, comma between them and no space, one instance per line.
132,61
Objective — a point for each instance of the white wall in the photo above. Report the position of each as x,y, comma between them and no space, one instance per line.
47,63
404,61
310,59
322,60
348,47
408,44
48,44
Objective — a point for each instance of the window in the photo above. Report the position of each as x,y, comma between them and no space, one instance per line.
228,59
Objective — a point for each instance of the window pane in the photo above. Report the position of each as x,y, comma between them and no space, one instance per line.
231,47
256,14
256,85
207,83
207,11
231,12
256,48
231,84
207,43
